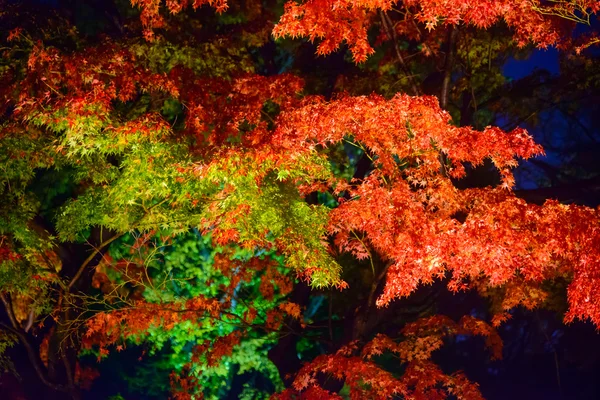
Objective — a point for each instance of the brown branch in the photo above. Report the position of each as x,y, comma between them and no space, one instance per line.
99,248
30,320
88,260
69,373
31,353
448,65
375,285
35,361
9,310
391,33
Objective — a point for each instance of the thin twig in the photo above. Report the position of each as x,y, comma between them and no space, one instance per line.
391,33
90,258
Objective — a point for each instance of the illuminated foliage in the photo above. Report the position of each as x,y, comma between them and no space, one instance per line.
162,192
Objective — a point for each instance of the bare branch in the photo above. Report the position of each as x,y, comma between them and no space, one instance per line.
31,353
448,65
9,310
88,260
391,33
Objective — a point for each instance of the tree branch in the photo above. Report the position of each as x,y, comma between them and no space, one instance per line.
9,310
33,358
391,33
31,353
88,260
99,248
448,65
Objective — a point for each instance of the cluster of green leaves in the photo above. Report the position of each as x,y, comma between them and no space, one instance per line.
69,167
185,269
207,59
7,340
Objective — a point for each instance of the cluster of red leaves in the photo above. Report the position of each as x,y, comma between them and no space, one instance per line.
44,347
85,376
334,22
501,239
520,15
150,125
98,77
423,337
185,386
272,281
14,34
237,273
421,380
348,20
517,292
291,309
412,129
404,209
7,254
310,393
214,350
87,85
218,107
108,328
152,19
111,328
407,209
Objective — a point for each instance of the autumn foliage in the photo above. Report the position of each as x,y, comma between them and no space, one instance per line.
156,146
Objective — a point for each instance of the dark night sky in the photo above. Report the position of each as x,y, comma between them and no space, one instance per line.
544,59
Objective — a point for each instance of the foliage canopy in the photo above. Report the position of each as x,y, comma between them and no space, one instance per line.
177,182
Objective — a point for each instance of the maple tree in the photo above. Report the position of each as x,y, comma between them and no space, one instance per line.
170,182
